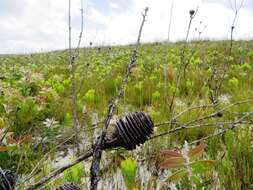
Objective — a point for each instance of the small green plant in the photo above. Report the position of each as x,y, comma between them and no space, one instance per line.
233,83
156,96
90,96
128,168
2,123
23,115
75,173
30,89
246,67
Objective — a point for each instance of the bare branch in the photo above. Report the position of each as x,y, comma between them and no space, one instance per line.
231,127
81,32
189,125
72,58
182,59
59,171
97,151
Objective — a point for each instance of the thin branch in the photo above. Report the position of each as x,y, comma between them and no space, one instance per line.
189,25
72,59
212,115
81,32
232,126
36,168
170,21
182,59
236,11
97,151
59,171
173,120
4,135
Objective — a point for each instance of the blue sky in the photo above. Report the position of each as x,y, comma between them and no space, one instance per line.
42,25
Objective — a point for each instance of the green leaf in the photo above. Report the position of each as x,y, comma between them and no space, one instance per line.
177,175
2,109
2,123
202,166
128,168
196,180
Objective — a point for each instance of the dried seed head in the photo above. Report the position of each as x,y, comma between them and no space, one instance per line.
192,12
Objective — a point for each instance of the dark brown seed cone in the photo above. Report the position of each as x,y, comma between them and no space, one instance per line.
7,179
69,187
130,131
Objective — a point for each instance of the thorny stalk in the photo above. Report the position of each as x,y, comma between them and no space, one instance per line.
97,150
72,59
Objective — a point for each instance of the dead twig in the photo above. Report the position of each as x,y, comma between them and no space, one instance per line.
182,59
232,126
60,170
189,125
72,59
97,150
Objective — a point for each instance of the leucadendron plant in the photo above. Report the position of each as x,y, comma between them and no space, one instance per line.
185,164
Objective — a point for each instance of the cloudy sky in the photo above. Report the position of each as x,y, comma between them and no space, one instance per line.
42,25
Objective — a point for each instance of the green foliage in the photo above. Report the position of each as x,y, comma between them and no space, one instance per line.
246,67
27,101
128,168
238,161
30,89
75,173
67,119
233,83
23,115
90,96
2,123
156,96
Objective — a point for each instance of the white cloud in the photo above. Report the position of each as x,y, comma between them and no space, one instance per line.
114,5
123,27
36,25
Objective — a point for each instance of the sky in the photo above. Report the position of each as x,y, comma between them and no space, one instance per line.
28,26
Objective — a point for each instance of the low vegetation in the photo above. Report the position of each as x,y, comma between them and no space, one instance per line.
214,96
